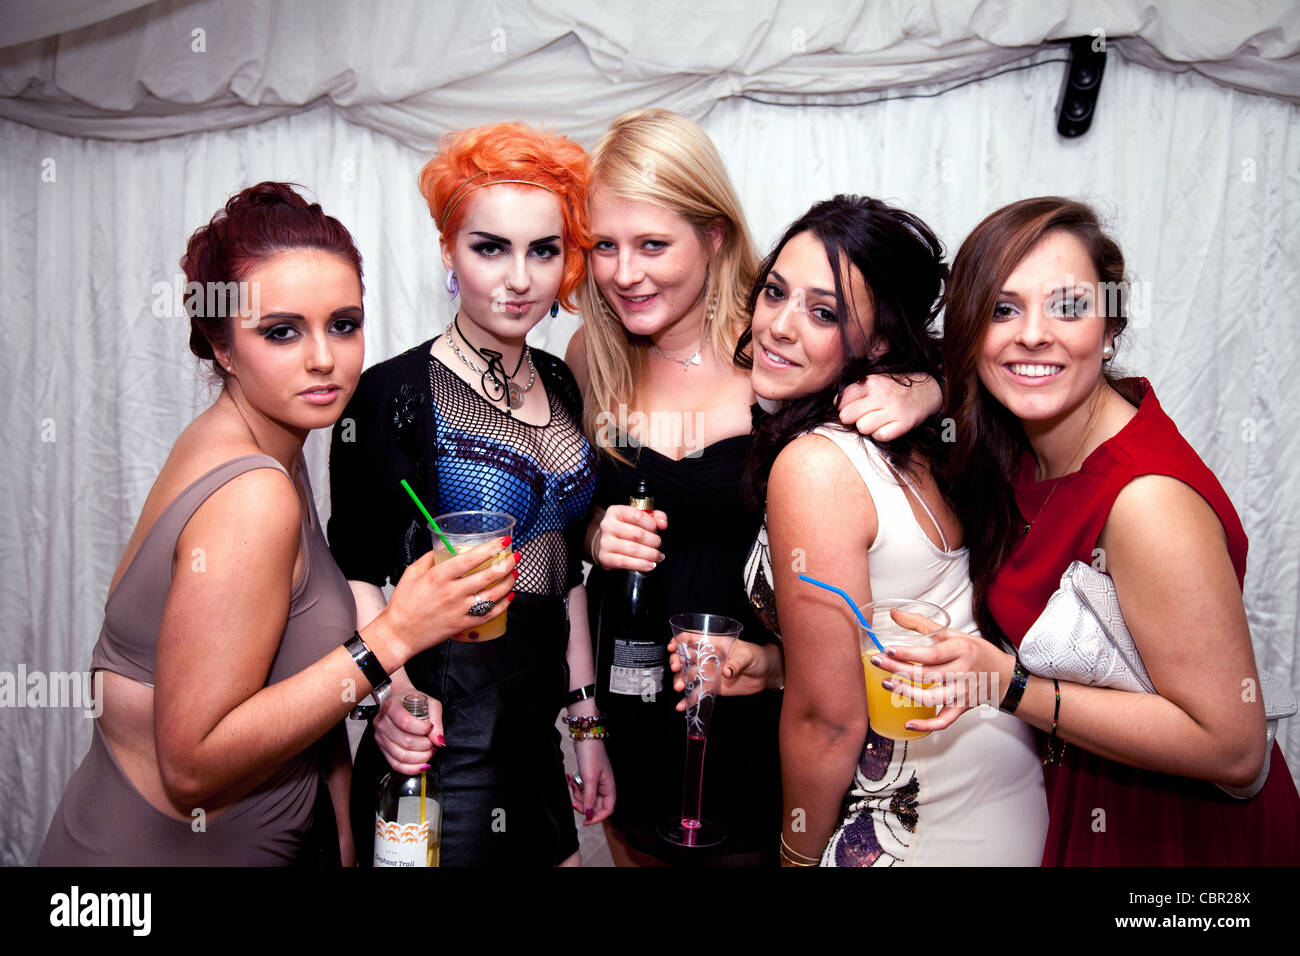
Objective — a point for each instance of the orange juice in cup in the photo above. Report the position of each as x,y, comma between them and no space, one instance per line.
888,711
465,530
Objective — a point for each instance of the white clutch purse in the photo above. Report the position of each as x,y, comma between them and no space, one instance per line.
1081,637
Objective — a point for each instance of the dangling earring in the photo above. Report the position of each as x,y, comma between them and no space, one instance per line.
711,310
606,310
453,287
555,308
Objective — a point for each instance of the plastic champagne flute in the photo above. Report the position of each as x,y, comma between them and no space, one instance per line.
703,642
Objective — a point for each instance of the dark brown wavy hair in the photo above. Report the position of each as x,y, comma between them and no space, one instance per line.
989,440
902,262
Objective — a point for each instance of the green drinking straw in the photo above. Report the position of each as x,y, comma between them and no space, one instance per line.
428,517
849,601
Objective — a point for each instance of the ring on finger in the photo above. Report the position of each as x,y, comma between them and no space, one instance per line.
479,605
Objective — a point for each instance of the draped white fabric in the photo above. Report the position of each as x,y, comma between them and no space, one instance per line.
1200,181
413,68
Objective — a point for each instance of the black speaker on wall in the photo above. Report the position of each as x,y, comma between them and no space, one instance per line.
1082,84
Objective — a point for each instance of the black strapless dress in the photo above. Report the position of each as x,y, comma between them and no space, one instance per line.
705,545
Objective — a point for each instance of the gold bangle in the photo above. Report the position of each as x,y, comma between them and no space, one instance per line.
786,858
795,855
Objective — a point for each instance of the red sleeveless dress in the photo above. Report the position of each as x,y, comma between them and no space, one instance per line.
1104,813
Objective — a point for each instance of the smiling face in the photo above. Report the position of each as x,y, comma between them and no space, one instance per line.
297,361
509,260
1042,351
798,345
650,264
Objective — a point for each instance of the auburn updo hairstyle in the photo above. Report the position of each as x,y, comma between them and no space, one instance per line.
259,222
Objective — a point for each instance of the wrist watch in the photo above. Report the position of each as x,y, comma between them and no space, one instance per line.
1019,675
582,693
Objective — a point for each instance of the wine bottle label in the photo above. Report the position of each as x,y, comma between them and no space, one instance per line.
638,668
403,844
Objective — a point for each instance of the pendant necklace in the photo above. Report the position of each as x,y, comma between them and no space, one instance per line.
497,385
686,363
1086,432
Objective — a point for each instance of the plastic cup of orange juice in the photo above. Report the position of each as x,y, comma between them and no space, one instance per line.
468,529
888,711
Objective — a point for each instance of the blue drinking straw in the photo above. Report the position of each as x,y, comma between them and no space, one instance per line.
849,601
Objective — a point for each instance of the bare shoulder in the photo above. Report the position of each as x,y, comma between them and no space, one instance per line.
575,356
255,515
1162,536
813,479
212,439
1155,508
814,461
259,498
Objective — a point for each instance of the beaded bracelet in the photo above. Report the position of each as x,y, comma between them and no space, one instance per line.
587,728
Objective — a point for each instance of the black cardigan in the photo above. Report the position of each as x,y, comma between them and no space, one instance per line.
386,434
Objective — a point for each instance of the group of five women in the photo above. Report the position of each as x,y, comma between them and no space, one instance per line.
807,419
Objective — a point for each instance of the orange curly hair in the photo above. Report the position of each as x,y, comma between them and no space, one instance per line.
490,154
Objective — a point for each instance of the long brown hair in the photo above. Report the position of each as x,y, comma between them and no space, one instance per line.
990,440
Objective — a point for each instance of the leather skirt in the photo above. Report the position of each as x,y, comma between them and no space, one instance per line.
501,776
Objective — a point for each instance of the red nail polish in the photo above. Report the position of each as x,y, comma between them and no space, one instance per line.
587,813
442,741
518,557
505,542
510,596
425,766
515,572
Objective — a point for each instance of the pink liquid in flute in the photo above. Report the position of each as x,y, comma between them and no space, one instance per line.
693,791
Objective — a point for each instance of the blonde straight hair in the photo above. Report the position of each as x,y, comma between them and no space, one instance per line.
661,157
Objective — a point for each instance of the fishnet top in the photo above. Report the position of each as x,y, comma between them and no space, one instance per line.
542,475
412,417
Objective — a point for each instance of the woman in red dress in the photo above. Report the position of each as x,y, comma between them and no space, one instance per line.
1057,461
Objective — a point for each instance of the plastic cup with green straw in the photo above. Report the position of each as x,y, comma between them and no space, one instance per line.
849,601
433,524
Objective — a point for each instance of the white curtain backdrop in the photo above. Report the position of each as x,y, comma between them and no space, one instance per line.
1199,180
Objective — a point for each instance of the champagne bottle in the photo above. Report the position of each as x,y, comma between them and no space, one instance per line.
632,633
408,819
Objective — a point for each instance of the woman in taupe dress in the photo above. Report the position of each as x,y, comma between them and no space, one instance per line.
227,648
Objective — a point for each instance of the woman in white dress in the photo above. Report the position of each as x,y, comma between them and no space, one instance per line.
852,289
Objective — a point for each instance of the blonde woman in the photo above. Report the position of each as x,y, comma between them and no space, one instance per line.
670,268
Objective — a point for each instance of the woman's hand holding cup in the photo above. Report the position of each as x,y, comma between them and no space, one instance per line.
432,602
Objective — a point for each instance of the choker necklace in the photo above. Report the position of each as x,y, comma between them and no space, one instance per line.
497,385
685,363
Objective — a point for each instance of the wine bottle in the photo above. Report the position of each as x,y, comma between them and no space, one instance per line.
408,819
632,632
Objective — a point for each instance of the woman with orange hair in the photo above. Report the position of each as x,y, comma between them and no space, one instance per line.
475,419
